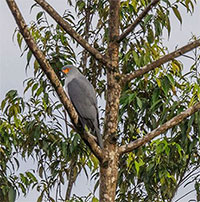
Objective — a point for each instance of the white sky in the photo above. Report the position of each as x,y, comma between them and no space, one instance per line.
12,65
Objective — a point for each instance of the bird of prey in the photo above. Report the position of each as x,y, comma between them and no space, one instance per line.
83,98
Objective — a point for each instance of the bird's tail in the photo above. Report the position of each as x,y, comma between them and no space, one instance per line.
99,137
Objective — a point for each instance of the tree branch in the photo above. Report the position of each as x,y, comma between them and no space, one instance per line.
138,20
72,178
68,28
161,61
47,69
163,128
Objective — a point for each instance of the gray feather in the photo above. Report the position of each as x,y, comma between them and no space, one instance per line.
83,98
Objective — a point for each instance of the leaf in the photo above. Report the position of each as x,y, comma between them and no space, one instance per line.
150,36
41,170
177,13
94,199
138,165
3,103
136,58
40,198
139,102
11,94
19,39
171,79
34,87
39,15
31,176
39,91
165,85
11,194
147,19
29,56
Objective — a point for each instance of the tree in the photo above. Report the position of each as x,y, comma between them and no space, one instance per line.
146,91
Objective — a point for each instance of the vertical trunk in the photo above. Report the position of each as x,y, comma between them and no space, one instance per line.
109,175
109,168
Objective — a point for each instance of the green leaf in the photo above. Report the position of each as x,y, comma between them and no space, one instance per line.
147,19
19,39
150,36
40,198
29,56
31,176
171,79
139,102
3,103
177,14
138,165
34,87
136,58
39,91
94,199
11,94
12,194
165,85
39,15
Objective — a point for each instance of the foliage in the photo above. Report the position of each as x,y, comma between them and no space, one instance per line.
35,127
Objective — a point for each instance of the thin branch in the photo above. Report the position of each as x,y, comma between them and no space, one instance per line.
72,178
159,130
185,195
138,20
47,69
68,28
161,61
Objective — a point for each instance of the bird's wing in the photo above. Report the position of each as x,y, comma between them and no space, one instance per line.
83,98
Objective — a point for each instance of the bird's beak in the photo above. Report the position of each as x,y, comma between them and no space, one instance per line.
65,70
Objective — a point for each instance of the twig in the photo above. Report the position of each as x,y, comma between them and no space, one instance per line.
138,20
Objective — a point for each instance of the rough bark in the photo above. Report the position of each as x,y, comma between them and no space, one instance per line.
163,128
67,27
47,69
161,61
72,178
109,168
109,174
88,17
137,20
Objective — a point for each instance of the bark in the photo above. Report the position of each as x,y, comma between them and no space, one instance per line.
109,175
88,17
72,178
47,69
138,20
163,128
67,27
109,168
161,61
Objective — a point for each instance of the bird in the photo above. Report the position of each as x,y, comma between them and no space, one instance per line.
83,97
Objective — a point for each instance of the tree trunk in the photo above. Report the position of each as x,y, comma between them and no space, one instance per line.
109,175
109,166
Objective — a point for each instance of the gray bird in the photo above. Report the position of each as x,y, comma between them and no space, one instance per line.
83,98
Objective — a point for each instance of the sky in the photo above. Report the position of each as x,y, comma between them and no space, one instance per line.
12,71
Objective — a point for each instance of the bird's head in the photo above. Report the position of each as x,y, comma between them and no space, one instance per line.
66,69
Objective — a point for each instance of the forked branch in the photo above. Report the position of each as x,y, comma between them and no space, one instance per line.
68,28
161,61
47,69
163,128
138,20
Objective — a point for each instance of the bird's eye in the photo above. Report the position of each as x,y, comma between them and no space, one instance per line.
65,70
